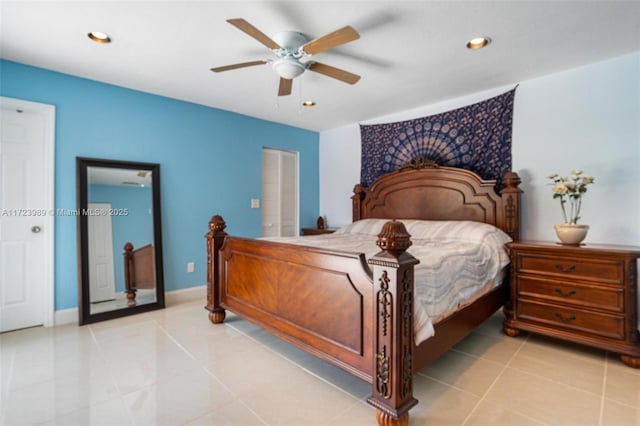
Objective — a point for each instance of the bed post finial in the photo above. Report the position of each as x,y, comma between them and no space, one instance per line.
392,388
394,237
511,204
215,239
217,224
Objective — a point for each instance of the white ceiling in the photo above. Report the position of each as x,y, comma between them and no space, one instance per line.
410,53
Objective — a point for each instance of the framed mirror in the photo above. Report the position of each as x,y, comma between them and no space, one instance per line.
119,239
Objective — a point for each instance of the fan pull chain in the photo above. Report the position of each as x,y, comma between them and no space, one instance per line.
277,103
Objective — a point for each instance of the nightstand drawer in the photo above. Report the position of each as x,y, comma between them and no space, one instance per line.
611,326
591,269
568,293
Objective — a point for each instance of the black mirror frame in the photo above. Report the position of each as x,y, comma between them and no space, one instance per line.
84,311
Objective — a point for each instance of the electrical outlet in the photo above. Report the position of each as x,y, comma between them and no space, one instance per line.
255,203
191,267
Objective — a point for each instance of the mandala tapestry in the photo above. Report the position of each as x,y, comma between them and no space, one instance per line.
475,137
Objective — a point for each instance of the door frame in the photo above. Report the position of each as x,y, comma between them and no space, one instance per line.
48,113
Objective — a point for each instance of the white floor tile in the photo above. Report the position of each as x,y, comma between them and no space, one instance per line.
173,367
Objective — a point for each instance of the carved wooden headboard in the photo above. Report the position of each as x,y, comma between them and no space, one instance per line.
429,192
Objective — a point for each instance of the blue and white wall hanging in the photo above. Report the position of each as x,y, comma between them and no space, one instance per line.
475,137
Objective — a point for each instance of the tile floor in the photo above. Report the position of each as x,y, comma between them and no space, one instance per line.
172,367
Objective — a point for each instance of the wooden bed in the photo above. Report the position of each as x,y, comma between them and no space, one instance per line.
354,313
139,270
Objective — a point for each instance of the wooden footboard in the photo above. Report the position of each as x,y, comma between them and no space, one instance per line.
316,299
328,303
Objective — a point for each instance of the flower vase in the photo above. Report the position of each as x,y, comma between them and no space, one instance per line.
571,233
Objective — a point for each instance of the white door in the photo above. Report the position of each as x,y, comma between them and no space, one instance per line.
102,282
279,193
26,214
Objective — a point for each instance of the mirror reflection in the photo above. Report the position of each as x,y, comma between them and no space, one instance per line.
119,223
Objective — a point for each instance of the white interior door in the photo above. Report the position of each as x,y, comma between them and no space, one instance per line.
279,193
102,282
26,214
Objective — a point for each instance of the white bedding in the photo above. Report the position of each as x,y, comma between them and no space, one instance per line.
459,261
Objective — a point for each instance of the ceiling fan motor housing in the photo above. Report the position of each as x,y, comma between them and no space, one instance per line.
290,40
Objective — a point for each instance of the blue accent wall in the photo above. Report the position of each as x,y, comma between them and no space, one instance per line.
211,163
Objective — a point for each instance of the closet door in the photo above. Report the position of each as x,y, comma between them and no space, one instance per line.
279,193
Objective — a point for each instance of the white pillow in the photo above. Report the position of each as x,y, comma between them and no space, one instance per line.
364,226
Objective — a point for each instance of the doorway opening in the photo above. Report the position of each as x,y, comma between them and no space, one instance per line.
280,187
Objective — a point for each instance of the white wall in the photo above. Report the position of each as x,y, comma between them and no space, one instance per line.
586,118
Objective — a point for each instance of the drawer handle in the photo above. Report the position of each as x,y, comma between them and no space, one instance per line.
565,319
563,294
567,269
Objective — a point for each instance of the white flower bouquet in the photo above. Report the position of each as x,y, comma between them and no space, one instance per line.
570,190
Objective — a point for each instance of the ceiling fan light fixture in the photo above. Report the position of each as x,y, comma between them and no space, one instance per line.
288,68
99,37
478,43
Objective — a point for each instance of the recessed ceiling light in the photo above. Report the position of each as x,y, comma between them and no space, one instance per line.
478,42
308,104
99,37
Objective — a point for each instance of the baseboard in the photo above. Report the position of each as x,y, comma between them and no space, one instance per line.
65,316
171,298
186,295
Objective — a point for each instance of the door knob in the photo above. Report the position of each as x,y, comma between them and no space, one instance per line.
36,229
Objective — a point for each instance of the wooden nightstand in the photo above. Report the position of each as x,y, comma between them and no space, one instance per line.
586,294
316,231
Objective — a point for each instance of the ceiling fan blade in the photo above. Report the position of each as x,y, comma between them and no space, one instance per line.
285,87
236,66
249,29
331,40
334,72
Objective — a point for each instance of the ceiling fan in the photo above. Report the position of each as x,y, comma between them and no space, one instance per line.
290,48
